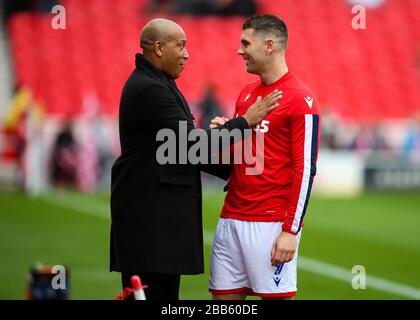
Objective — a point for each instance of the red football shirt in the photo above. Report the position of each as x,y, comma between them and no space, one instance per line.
281,190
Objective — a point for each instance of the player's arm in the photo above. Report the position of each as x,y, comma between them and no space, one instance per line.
163,112
223,170
304,152
254,113
304,147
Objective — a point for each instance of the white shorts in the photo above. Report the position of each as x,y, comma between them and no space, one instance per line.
241,260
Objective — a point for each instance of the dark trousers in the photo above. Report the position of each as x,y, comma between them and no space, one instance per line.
160,286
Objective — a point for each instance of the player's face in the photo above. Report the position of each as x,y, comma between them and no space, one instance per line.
175,55
252,50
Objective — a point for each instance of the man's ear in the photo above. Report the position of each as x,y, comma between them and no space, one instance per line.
159,48
269,46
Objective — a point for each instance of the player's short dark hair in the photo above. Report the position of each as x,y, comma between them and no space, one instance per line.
268,23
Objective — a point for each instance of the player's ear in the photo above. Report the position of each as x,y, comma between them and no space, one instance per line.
269,46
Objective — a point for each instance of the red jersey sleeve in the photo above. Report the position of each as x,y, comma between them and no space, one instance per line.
304,139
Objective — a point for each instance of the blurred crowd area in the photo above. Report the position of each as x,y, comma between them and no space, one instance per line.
190,7
61,127
386,139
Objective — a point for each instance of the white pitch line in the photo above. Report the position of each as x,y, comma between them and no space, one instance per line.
93,207
335,272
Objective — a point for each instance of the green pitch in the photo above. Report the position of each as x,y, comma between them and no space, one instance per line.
379,231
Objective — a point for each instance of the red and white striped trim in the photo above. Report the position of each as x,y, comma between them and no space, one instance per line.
307,153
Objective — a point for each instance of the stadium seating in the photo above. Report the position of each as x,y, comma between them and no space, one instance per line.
364,75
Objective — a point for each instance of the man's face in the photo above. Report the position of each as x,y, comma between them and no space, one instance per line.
252,50
175,54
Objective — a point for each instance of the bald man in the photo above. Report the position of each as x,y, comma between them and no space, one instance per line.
156,229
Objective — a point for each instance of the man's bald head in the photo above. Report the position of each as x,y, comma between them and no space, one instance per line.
164,46
158,30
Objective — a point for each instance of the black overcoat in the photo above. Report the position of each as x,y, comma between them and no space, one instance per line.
155,209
